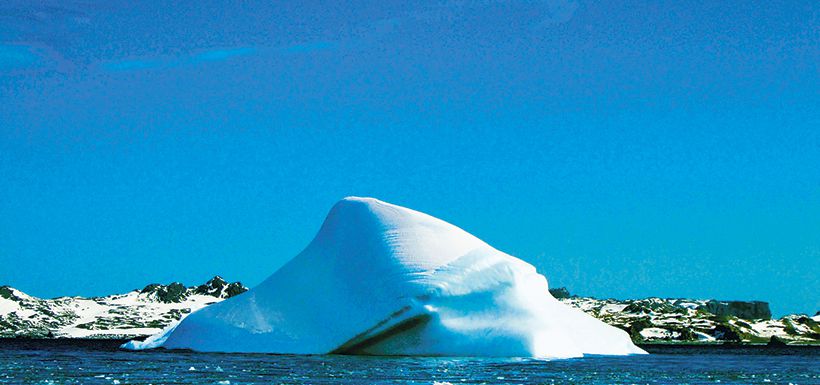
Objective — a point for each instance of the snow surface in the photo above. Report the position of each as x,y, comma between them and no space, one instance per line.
383,279
118,315
658,333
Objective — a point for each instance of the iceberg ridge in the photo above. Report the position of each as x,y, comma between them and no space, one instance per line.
387,280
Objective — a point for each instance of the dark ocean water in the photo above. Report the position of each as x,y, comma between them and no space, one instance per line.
100,362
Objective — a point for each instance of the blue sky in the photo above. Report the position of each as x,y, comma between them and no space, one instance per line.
626,150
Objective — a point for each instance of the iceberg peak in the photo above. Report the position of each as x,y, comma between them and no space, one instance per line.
353,210
365,200
384,279
402,238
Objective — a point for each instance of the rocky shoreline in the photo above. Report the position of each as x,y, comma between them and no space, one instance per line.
697,321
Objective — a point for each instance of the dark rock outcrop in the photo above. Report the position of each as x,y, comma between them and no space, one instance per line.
220,288
726,333
634,329
776,342
741,309
175,292
7,293
560,292
652,306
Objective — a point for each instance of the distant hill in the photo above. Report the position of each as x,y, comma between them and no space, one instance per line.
136,313
696,320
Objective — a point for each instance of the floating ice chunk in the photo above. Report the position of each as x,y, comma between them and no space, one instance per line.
383,279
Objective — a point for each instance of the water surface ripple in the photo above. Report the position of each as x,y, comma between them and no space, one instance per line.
90,362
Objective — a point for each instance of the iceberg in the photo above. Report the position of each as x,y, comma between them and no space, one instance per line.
381,279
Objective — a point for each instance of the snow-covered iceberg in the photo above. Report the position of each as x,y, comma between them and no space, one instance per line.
387,280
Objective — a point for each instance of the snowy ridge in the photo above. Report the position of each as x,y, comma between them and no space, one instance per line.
136,313
383,279
694,320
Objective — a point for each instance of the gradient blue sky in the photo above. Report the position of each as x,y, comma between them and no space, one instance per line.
627,150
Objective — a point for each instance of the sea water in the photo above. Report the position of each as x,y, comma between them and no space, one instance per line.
100,362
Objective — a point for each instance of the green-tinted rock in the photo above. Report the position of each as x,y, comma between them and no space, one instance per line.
776,342
5,292
726,332
235,289
218,287
174,292
560,292
740,309
634,329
